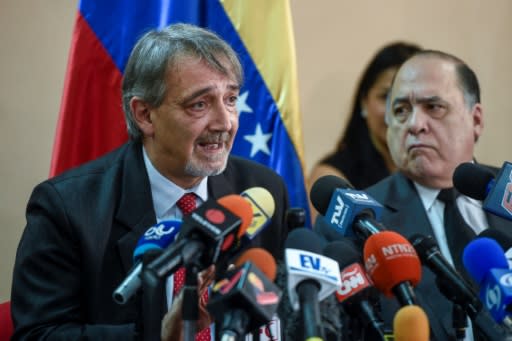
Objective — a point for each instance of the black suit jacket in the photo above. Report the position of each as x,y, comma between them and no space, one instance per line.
404,213
82,228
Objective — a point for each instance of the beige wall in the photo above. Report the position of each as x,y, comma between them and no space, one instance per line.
334,40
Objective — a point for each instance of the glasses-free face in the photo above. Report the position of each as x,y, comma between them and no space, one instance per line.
189,136
431,128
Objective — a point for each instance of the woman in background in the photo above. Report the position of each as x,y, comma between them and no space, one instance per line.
361,155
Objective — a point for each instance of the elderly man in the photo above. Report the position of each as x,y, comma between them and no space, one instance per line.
434,118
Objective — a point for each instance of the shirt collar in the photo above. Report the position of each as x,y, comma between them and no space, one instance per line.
427,195
166,193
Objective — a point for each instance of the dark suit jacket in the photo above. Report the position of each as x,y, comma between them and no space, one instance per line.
77,247
405,214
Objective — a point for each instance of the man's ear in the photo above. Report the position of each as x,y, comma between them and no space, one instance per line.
478,120
142,115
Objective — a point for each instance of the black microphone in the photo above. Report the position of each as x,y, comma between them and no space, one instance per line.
214,227
455,288
311,278
479,183
357,295
295,217
346,212
245,298
461,291
450,283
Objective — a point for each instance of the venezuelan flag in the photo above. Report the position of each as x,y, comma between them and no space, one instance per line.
91,120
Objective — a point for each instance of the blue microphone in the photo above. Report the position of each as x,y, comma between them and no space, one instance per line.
479,183
348,212
485,261
503,238
157,237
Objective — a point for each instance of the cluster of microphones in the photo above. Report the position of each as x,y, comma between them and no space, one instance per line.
353,257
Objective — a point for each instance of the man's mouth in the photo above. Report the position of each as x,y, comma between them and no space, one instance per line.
417,146
210,145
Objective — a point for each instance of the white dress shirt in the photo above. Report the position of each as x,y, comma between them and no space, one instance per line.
470,209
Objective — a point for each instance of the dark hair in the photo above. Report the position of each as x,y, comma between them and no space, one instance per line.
366,161
391,55
468,82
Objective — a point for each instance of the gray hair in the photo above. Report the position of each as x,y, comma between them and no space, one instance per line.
158,52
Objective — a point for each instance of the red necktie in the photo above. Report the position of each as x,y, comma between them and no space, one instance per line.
187,204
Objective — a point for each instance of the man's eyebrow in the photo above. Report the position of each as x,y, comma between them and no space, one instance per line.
429,99
400,100
419,100
202,91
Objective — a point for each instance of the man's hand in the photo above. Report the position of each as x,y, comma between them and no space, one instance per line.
172,324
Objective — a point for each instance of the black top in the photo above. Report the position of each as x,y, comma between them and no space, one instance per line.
361,170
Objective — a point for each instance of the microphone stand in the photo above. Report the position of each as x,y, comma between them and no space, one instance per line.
153,299
190,308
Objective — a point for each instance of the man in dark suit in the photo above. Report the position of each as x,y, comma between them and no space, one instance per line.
180,89
434,118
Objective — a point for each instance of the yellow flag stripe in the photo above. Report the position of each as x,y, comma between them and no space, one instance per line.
265,27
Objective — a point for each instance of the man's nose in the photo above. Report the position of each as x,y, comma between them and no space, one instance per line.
223,116
417,121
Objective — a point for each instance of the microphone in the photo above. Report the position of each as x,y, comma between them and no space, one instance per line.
157,237
246,298
263,207
459,291
486,263
214,227
411,324
479,183
347,212
393,265
504,239
311,277
295,217
357,294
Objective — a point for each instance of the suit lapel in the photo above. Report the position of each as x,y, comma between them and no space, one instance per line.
499,223
135,213
219,185
406,215
406,212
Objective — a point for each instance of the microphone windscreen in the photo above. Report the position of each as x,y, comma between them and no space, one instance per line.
472,180
303,238
263,207
504,239
390,260
481,255
411,324
343,251
239,207
262,259
322,189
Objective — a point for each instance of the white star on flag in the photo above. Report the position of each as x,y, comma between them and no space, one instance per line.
241,103
259,141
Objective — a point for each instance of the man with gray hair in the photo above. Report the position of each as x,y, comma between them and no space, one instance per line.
434,118
180,89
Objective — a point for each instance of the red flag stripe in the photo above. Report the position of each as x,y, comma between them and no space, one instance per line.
91,100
